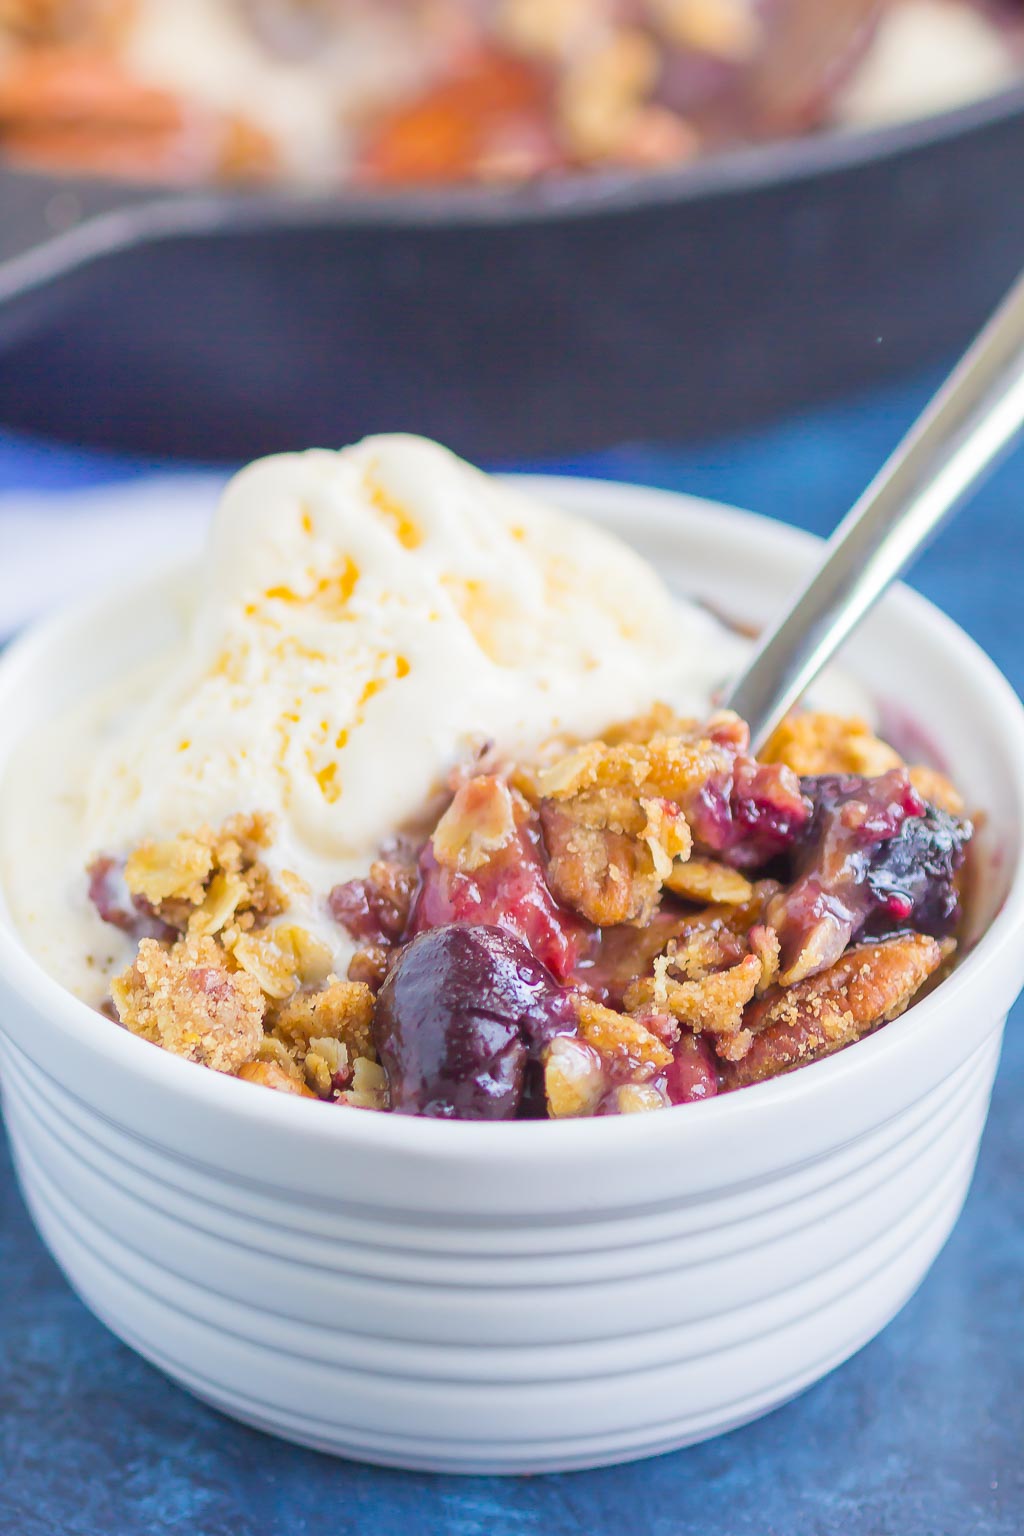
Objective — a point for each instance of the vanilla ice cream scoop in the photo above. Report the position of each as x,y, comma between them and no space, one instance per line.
367,620
361,624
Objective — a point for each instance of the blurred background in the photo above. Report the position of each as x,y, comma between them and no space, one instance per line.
526,227
724,246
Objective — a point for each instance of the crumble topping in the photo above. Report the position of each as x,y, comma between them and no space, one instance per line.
815,743
268,1074
221,986
187,1000
480,820
621,1040
638,921
706,880
871,985
342,1011
202,881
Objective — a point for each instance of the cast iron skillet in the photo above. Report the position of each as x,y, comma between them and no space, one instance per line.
517,323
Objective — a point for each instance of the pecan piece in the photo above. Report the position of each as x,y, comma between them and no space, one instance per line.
610,849
870,985
594,865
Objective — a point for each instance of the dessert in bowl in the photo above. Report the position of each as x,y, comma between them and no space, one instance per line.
561,889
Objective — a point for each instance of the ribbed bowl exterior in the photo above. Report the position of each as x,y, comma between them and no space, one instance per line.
534,1296
497,1347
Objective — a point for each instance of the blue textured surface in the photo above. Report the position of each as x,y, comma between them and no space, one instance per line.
920,1435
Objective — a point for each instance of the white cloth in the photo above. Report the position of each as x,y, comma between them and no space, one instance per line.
57,545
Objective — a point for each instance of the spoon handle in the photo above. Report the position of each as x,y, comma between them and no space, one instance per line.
970,423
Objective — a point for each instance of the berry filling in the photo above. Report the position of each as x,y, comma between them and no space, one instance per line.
643,921
692,1074
750,814
874,859
462,1012
510,891
116,905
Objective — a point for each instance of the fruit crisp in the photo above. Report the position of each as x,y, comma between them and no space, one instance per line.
619,925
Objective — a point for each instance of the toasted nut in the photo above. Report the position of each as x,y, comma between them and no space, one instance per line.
480,821
706,880
870,985
269,1075
369,1088
574,1078
326,1061
636,1098
621,1039
726,29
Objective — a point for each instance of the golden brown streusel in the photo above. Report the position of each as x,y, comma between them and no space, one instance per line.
203,880
620,1040
869,986
343,1011
185,999
812,742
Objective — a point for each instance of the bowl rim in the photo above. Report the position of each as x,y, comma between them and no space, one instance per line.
533,1141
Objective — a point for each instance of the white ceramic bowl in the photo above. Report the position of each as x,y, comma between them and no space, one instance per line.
532,1296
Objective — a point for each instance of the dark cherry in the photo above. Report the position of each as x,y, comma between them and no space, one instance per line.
912,877
510,891
375,909
874,859
692,1073
461,1014
769,812
749,812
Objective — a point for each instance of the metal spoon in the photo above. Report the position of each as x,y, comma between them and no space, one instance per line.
972,421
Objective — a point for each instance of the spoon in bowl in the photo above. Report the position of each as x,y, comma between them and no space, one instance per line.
969,425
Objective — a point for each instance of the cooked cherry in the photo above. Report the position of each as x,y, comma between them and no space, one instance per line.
913,876
510,892
692,1073
460,1015
116,905
747,813
875,858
